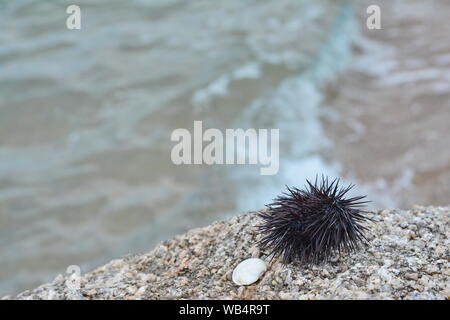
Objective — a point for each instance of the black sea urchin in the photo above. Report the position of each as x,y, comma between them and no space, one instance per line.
311,225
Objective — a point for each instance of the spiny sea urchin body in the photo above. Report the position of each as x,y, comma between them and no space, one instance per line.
311,225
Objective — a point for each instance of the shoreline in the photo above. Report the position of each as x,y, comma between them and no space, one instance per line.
407,258
391,124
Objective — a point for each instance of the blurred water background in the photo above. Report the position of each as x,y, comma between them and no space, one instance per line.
86,118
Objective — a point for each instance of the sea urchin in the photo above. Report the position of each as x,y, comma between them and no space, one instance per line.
311,225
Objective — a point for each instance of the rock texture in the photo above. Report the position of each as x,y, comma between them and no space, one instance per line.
407,258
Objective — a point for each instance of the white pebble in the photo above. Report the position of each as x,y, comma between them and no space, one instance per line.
248,271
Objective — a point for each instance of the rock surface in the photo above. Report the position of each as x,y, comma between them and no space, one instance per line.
407,258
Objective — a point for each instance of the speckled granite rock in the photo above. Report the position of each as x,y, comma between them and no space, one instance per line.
408,258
